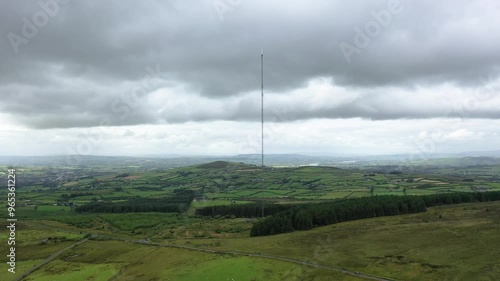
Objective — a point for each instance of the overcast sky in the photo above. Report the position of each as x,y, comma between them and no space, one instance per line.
183,77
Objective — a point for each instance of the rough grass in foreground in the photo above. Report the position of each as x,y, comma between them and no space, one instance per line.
455,242
61,270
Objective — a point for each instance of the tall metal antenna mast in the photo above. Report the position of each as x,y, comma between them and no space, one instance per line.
262,103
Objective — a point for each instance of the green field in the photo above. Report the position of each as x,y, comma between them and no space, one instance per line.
445,243
227,183
437,245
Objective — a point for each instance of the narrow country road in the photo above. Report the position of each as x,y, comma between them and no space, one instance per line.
49,259
341,270
144,242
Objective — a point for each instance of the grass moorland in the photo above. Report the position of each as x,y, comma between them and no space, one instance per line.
455,242
446,243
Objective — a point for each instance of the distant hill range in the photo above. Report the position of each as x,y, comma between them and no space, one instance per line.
495,153
171,161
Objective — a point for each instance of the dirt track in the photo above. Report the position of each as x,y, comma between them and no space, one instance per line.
236,253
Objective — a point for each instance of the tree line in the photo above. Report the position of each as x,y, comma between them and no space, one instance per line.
175,204
307,216
251,210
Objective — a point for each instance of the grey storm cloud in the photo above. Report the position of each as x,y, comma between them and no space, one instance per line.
76,69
